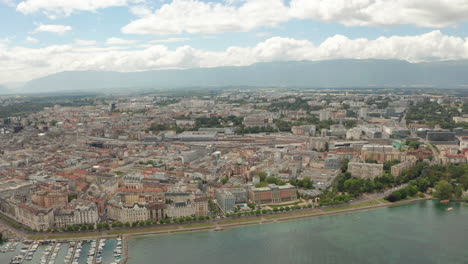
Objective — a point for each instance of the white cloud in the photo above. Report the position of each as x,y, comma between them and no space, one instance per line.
208,17
22,64
32,40
119,41
57,29
83,42
423,13
140,10
169,40
56,8
196,16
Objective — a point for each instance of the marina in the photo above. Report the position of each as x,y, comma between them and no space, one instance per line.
100,251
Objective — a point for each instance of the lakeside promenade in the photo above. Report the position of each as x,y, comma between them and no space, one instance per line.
220,224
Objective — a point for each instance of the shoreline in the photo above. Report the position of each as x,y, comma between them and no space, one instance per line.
279,219
127,237
219,224
213,224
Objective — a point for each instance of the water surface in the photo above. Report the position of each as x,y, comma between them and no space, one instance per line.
423,232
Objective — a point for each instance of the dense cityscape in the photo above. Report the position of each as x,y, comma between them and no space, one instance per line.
146,160
233,131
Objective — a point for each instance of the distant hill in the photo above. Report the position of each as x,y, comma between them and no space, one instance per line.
329,73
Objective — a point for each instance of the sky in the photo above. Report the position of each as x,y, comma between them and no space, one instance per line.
42,37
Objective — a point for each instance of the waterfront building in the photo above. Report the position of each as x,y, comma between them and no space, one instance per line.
365,170
127,213
34,217
226,200
156,211
76,213
273,194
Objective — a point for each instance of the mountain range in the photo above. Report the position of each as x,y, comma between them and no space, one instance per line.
311,74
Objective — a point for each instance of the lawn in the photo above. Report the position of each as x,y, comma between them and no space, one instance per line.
198,225
240,220
352,206
293,214
383,200
144,230
273,206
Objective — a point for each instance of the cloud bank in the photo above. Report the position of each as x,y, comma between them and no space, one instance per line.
23,63
195,16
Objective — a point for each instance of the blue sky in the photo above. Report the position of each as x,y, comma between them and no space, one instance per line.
41,37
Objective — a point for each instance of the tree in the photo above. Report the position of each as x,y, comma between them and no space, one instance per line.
262,176
412,190
458,191
443,190
224,180
344,165
464,179
353,186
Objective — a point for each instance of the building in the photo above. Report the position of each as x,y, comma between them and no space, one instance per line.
156,211
333,162
453,159
397,144
226,200
198,136
34,217
273,194
201,206
127,213
49,199
256,121
380,153
365,170
308,130
184,204
18,189
240,194
441,137
363,113
397,170
395,132
419,153
324,115
76,213
318,143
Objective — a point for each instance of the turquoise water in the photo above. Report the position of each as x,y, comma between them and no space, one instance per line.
422,232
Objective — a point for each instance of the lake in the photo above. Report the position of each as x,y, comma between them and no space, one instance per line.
422,232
